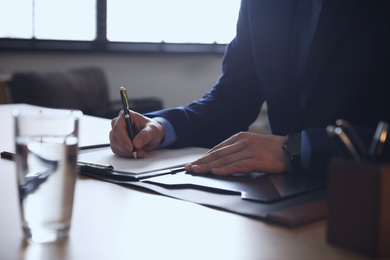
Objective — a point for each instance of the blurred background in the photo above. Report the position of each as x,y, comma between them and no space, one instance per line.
167,50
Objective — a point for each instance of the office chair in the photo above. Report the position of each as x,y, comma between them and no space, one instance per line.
85,89
4,93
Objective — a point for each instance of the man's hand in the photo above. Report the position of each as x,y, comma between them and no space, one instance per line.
148,135
244,152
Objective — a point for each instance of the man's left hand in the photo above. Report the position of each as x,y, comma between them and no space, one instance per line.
244,152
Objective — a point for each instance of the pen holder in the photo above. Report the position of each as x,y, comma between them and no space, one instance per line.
359,207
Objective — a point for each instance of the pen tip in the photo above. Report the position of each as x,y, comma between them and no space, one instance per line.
135,155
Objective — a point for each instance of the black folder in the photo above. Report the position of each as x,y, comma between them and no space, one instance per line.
288,199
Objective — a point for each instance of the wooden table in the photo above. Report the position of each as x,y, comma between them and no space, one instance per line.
113,222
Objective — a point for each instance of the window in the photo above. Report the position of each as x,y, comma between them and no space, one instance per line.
48,19
119,24
174,21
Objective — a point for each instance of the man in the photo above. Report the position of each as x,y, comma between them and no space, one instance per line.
312,61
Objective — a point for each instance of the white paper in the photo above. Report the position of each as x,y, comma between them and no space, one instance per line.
153,161
93,130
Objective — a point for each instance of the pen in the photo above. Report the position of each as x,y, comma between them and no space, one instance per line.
353,136
108,171
380,136
343,141
86,147
84,166
7,155
126,109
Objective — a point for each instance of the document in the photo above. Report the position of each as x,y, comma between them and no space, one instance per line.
153,161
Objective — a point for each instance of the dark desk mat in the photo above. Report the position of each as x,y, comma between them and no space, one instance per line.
260,187
291,211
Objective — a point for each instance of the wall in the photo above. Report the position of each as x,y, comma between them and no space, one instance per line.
176,79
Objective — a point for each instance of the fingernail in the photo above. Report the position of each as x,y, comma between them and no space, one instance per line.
128,147
187,167
137,143
195,168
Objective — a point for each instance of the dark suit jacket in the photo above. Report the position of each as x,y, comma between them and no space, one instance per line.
348,74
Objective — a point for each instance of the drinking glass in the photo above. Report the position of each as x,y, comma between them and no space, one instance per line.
46,156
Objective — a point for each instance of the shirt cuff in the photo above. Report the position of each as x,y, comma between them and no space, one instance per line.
170,134
316,151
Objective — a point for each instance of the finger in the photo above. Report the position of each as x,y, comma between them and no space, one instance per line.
121,151
227,142
143,138
219,153
239,166
119,138
248,161
140,153
117,147
218,159
150,136
232,162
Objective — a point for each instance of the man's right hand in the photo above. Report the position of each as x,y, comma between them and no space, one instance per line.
148,135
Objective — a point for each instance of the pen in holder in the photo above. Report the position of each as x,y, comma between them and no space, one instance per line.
359,192
359,206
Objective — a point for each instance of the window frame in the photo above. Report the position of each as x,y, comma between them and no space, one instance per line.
101,44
